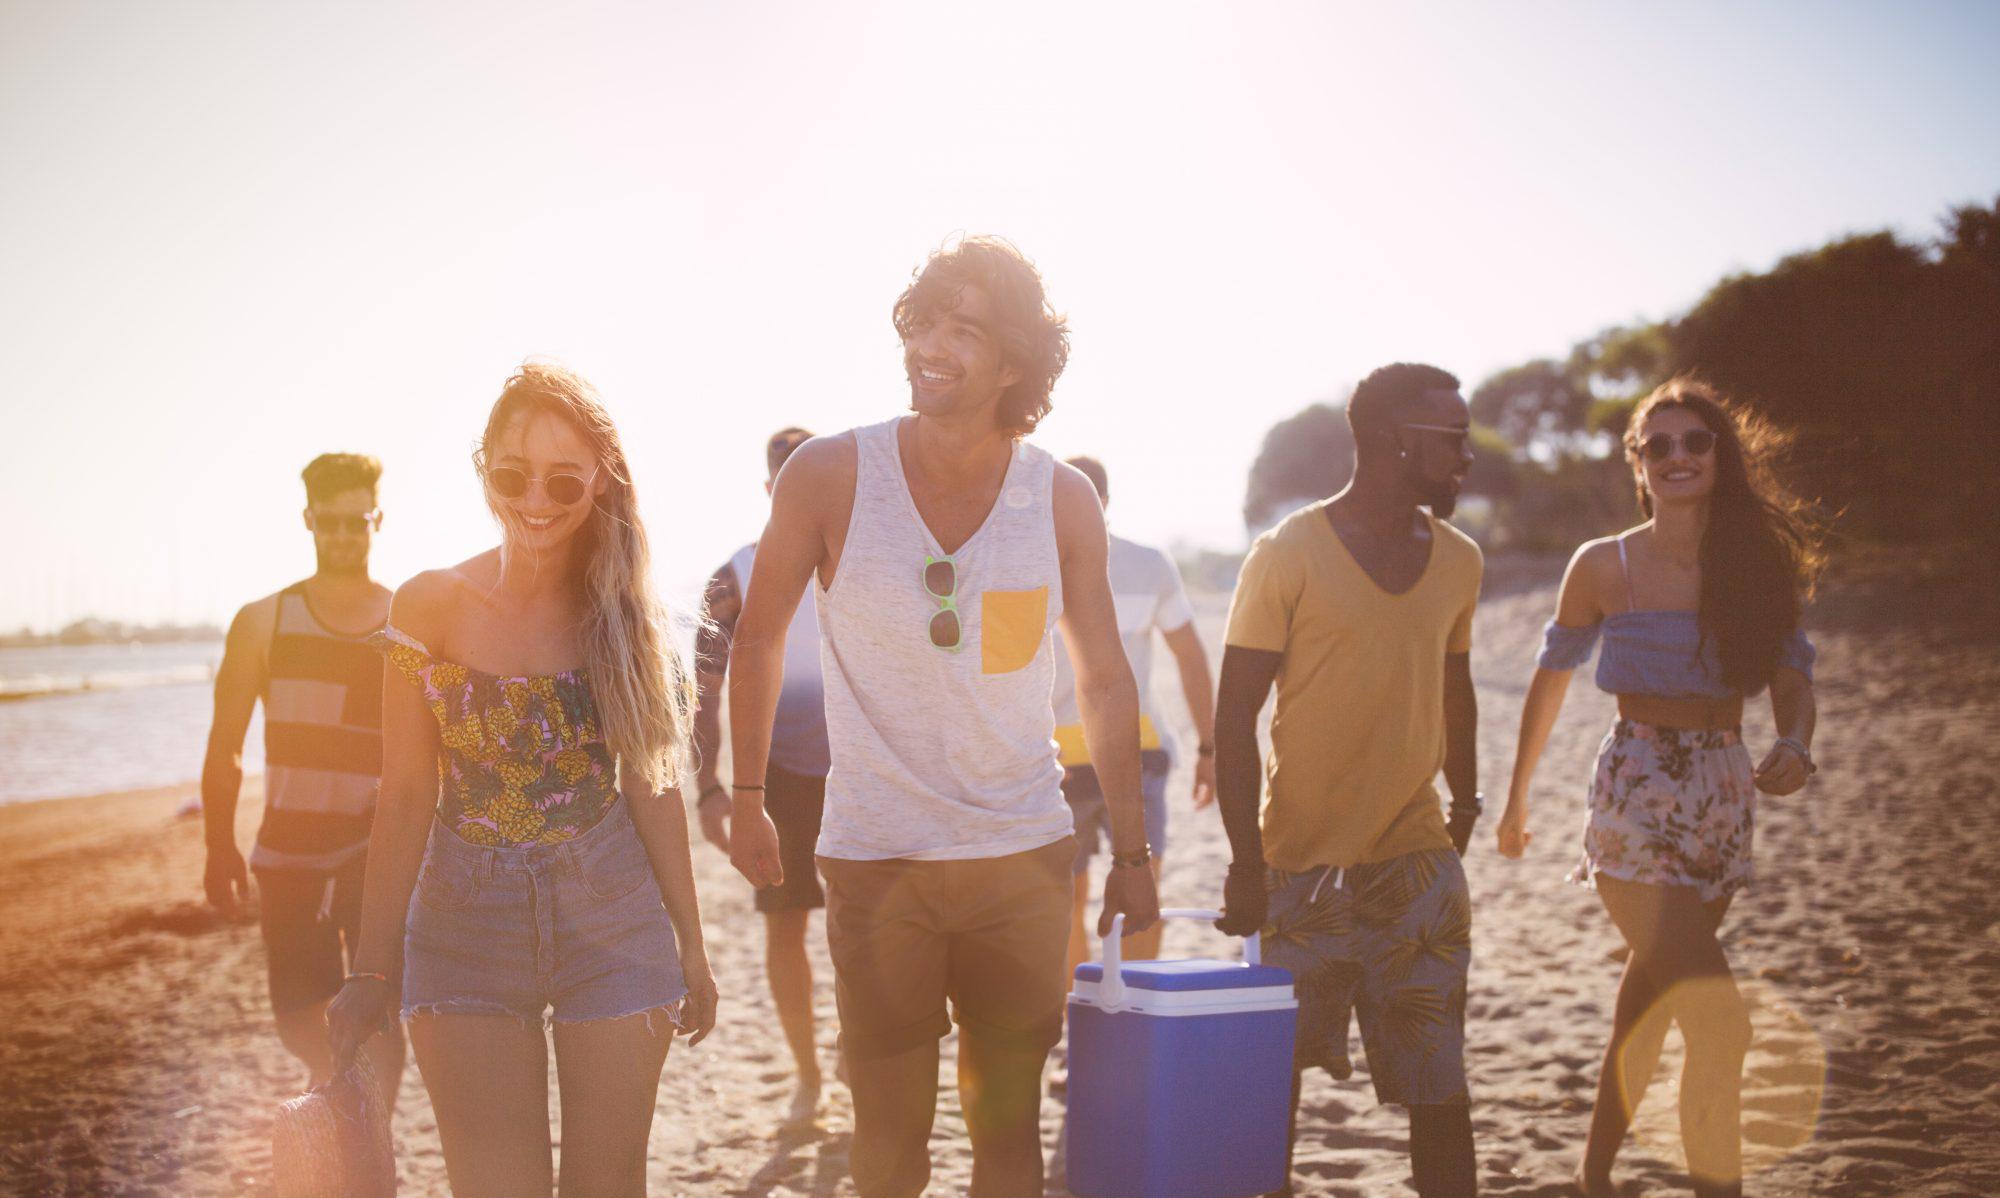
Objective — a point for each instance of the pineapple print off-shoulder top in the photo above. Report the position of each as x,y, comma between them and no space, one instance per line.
522,761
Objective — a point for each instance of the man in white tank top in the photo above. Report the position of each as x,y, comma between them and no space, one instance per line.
942,551
795,787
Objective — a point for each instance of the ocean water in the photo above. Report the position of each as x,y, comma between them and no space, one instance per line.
78,720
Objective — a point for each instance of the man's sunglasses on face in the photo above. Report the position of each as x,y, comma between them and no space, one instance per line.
339,525
1460,434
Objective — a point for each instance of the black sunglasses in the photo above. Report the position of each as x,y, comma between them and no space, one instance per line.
1660,446
509,483
340,525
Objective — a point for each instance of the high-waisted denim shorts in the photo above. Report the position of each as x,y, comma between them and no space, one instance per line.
576,928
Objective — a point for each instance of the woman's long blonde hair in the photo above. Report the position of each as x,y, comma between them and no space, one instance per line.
643,692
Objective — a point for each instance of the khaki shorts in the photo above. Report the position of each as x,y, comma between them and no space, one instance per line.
987,934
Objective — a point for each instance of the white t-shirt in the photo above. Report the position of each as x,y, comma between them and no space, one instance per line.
1146,588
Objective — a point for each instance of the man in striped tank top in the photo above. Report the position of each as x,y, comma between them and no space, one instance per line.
303,651
943,550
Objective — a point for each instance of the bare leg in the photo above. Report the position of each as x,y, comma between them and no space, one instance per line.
303,1033
789,972
895,1103
1441,1158
488,1077
1672,935
999,1086
386,1051
1291,1136
609,1071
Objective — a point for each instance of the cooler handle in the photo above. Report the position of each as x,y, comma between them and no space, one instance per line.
1111,990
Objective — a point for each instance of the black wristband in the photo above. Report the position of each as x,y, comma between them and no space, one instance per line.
759,788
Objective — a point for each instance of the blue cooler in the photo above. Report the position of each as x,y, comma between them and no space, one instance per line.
1180,1075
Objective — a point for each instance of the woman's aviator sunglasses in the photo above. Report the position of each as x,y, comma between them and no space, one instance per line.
1660,446
566,489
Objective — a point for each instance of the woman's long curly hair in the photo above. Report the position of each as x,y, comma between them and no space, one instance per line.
1762,549
643,692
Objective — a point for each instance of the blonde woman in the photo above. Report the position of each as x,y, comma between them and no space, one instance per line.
532,737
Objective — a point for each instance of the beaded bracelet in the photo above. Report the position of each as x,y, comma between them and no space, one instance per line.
1805,754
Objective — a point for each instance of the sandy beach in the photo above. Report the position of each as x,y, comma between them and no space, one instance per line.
137,1055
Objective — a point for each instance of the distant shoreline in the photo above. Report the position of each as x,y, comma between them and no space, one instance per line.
100,632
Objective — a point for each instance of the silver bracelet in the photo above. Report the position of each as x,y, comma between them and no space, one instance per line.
1805,754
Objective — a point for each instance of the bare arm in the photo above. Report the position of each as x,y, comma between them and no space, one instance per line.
1198,685
404,810
1461,746
711,652
661,821
1247,675
1796,712
238,682
1577,606
1107,698
817,479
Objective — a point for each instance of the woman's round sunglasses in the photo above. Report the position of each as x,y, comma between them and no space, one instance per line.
566,489
1660,446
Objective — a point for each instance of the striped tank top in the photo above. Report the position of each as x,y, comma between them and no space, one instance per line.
322,742
941,754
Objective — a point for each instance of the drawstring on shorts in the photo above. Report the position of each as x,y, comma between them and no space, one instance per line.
1339,876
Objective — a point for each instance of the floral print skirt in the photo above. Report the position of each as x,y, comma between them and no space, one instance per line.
1671,807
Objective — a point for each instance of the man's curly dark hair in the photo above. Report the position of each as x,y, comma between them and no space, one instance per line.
1034,338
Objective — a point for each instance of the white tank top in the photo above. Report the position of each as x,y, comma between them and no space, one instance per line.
941,755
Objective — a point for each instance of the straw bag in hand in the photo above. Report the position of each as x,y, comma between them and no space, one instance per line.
333,1140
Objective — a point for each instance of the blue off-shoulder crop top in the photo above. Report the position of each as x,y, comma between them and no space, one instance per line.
1655,652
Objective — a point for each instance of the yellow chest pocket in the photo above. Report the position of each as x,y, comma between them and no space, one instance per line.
1012,625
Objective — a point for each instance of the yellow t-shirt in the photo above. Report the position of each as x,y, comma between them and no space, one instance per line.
1359,731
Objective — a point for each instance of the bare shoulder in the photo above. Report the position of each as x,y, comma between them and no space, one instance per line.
1079,513
823,467
424,605
258,615
1592,574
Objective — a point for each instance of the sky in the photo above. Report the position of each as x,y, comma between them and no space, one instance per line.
236,235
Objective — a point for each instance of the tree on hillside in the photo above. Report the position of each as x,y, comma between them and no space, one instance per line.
1537,407
1863,349
1306,457
1880,356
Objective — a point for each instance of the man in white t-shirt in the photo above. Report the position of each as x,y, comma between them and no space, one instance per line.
1146,588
